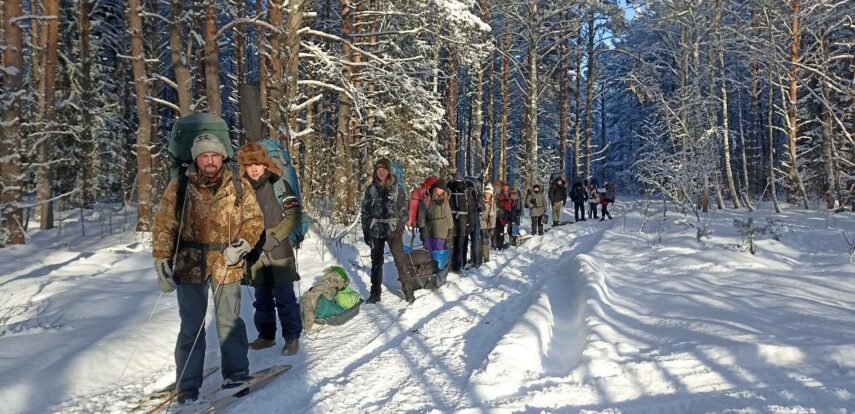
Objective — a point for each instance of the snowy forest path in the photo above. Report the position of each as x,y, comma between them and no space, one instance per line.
433,347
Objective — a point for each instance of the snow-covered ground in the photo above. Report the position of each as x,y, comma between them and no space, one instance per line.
591,317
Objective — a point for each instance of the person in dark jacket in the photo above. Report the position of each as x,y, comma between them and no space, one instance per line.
536,203
384,216
503,216
271,265
579,197
515,215
476,198
464,209
558,198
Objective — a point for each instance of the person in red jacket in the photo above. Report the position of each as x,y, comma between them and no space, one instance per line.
418,196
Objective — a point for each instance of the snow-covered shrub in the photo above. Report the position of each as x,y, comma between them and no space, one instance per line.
749,232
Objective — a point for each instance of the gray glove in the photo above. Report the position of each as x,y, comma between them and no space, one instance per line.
236,251
165,282
270,242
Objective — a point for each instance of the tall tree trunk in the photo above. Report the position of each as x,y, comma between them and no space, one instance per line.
240,53
577,110
91,161
310,156
212,62
828,163
489,169
725,116
144,181
157,163
564,116
506,102
292,69
531,123
589,97
44,185
491,118
742,150
11,215
345,190
753,133
770,181
451,111
276,76
262,64
179,59
796,183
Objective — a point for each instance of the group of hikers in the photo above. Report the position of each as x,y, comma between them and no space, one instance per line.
218,226
460,216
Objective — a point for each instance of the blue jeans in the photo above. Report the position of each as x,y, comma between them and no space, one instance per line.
277,300
231,331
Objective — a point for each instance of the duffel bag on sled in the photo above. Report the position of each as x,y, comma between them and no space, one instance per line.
330,301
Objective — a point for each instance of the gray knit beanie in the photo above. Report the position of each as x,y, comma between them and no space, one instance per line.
207,143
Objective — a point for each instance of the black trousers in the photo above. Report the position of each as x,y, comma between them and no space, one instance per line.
537,225
459,252
378,245
606,212
579,210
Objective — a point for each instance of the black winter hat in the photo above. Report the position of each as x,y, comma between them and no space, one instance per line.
382,162
440,183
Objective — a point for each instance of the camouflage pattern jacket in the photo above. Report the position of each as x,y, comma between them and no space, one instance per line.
211,220
385,209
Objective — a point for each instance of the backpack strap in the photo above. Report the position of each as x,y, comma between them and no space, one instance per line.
182,191
237,183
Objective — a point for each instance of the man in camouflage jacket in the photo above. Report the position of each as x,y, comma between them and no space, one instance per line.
199,244
384,215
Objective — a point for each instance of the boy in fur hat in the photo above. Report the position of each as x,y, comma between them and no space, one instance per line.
271,266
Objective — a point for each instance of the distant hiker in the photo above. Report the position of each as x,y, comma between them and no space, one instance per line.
473,190
488,222
536,203
434,218
515,215
558,198
417,197
464,209
207,234
604,202
611,192
503,215
593,200
272,269
579,196
384,214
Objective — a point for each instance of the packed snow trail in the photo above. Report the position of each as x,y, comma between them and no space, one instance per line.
591,317
423,355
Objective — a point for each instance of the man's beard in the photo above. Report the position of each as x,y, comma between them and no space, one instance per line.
210,171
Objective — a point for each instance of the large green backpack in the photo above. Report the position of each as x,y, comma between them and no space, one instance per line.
184,131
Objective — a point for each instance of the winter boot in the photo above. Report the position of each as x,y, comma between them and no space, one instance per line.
261,343
485,253
292,346
554,223
374,298
186,396
407,288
